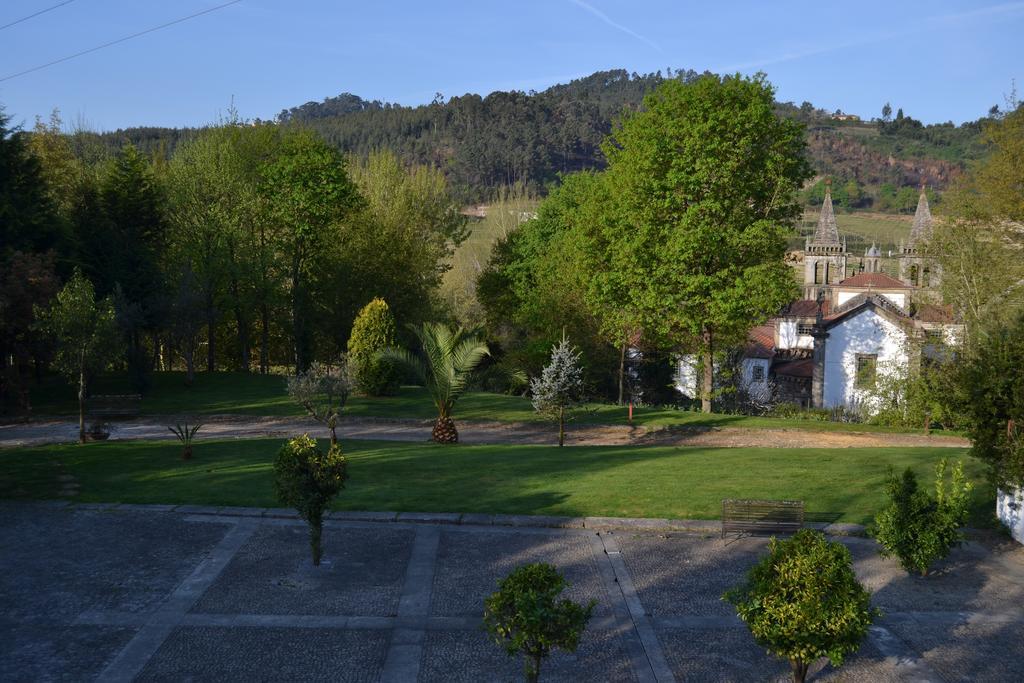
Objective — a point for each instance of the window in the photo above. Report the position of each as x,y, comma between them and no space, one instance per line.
757,373
818,272
867,364
804,329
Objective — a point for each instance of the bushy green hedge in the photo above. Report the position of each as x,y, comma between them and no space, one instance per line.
373,331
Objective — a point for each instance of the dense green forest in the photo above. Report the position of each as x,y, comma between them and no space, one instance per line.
483,143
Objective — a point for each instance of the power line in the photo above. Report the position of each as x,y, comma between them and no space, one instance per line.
119,40
42,11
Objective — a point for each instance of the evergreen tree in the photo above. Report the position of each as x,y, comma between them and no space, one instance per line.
372,332
559,389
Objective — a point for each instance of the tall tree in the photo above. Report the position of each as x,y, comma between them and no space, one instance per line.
704,183
310,193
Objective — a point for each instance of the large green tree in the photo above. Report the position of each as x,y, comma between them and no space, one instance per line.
703,183
310,193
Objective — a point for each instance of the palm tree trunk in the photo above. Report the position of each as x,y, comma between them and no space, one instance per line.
444,431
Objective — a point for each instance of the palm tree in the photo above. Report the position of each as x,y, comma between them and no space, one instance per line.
445,366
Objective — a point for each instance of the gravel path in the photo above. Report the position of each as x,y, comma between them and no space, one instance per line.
239,426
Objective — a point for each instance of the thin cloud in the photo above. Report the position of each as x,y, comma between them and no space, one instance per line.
614,24
926,24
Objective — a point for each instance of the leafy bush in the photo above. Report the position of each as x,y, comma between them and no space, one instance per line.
917,528
307,478
803,602
525,616
991,395
372,332
322,391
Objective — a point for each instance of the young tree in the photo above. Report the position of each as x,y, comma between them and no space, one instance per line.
559,389
920,529
526,617
307,478
86,334
448,360
704,183
322,391
372,332
803,602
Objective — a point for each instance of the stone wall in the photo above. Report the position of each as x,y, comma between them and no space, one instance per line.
1010,510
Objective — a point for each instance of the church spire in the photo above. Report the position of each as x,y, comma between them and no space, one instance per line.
827,232
921,230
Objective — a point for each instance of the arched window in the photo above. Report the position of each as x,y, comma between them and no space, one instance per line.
926,276
818,272
913,275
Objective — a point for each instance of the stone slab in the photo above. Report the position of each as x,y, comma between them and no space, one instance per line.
198,509
361,516
233,511
145,507
362,573
477,518
258,654
430,517
281,513
549,521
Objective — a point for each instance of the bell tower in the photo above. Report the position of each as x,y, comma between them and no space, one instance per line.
916,268
825,255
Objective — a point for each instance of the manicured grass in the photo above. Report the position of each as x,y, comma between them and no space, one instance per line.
837,484
240,394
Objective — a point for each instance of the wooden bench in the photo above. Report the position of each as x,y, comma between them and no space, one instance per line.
118,405
762,516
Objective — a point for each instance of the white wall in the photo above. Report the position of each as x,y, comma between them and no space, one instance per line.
789,337
866,332
686,376
898,298
760,387
1010,510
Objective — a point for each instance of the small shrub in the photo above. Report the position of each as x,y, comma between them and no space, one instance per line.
322,392
803,602
919,529
307,478
185,435
526,617
373,331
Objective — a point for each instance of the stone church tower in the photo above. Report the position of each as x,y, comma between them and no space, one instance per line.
825,256
916,269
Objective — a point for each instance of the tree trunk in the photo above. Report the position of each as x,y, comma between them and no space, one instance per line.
190,365
81,398
297,322
444,431
211,331
708,361
799,670
316,527
561,426
622,373
264,339
243,327
531,668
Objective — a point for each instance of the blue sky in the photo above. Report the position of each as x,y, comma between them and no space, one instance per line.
940,60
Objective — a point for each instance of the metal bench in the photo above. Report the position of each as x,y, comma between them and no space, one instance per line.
762,516
115,405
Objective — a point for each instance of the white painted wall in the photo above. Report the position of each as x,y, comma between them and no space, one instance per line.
790,338
1010,510
864,332
898,298
760,387
686,376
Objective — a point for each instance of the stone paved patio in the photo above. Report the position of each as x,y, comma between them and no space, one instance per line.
139,594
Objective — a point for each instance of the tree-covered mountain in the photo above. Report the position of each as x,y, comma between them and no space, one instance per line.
509,137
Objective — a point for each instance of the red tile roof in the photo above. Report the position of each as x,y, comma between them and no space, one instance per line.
805,308
875,281
930,313
761,342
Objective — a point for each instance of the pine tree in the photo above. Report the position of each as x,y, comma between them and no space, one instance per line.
559,389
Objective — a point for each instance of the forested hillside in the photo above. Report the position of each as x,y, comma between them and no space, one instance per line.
484,143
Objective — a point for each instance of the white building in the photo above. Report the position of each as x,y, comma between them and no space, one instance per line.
854,322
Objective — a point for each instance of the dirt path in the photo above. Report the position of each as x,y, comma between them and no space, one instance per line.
239,426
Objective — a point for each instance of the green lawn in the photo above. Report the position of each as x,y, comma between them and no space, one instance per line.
837,484
240,394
